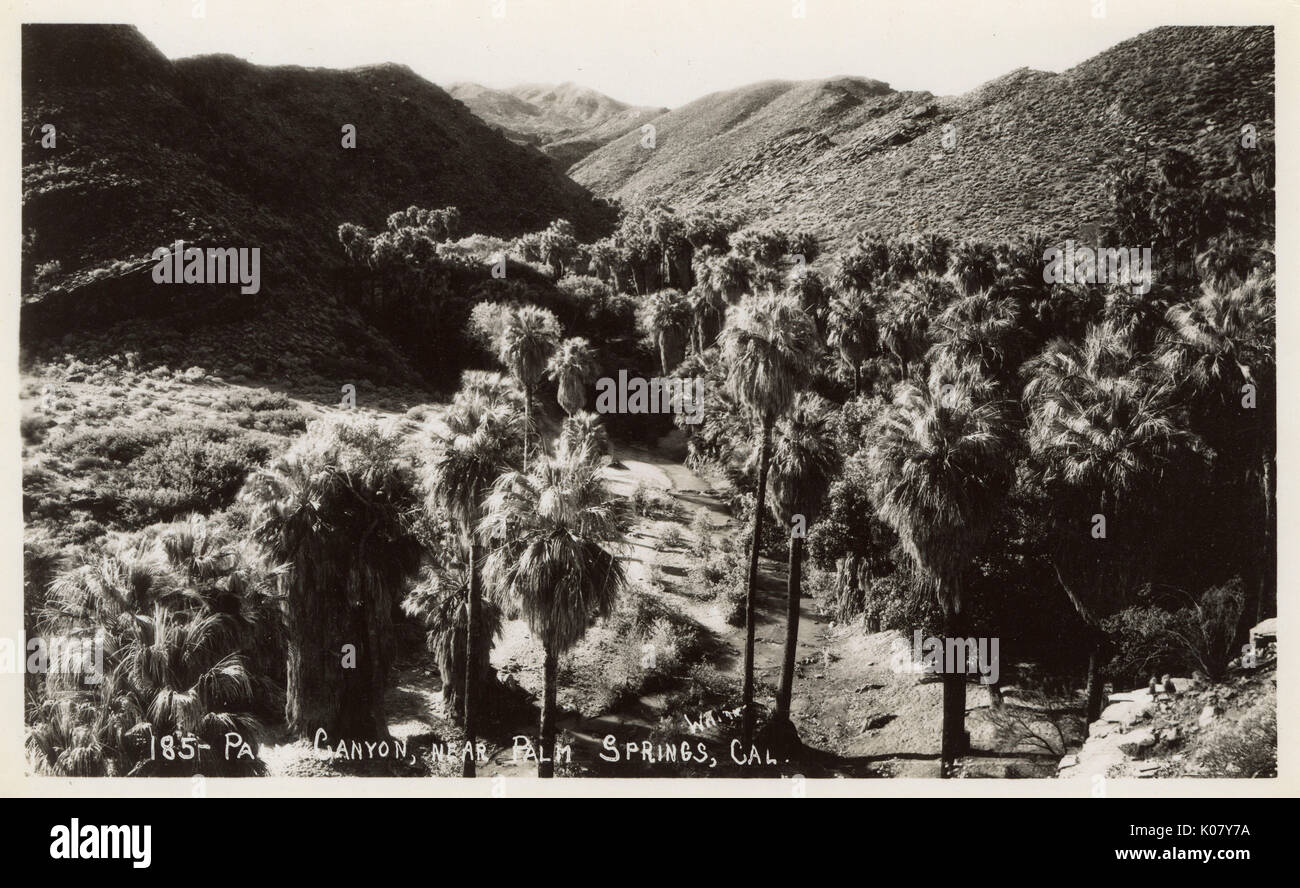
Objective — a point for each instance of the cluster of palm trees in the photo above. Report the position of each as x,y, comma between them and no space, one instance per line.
167,643
952,377
535,531
1097,401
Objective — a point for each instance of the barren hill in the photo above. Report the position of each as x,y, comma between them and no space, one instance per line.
566,121
214,150
1024,151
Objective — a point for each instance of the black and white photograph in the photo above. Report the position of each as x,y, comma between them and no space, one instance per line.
816,392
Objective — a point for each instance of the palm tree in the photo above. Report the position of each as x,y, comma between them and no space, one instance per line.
440,601
904,330
477,449
336,509
552,566
974,266
985,330
1135,315
809,291
572,368
527,339
930,254
668,319
709,309
851,322
1102,426
585,432
175,616
861,266
1218,344
804,460
768,352
940,467
727,274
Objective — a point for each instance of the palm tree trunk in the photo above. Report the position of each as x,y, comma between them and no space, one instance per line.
527,421
751,593
472,642
1095,684
546,748
1266,603
793,594
954,743
857,379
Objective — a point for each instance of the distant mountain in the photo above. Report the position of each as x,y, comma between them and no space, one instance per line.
566,121
218,151
1025,151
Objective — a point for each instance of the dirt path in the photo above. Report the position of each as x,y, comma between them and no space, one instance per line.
855,714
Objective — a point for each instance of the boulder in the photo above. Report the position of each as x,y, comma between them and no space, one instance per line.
1264,633
1127,713
1136,743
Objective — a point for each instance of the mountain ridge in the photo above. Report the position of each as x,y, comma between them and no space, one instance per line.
566,121
1021,161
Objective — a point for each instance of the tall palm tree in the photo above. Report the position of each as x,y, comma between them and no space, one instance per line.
709,309
728,274
476,450
861,266
668,320
940,467
337,508
440,602
930,254
904,330
572,368
1102,426
983,329
809,291
1138,316
552,528
974,266
851,326
1217,344
528,337
768,351
804,460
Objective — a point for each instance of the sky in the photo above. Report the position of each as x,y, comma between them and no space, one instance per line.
662,52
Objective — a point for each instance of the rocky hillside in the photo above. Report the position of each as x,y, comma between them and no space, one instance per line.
1024,151
214,150
566,121
1189,727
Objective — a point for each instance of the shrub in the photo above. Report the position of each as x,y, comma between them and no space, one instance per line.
119,444
656,645
33,427
702,529
1247,748
671,537
735,599
189,472
256,401
1150,639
